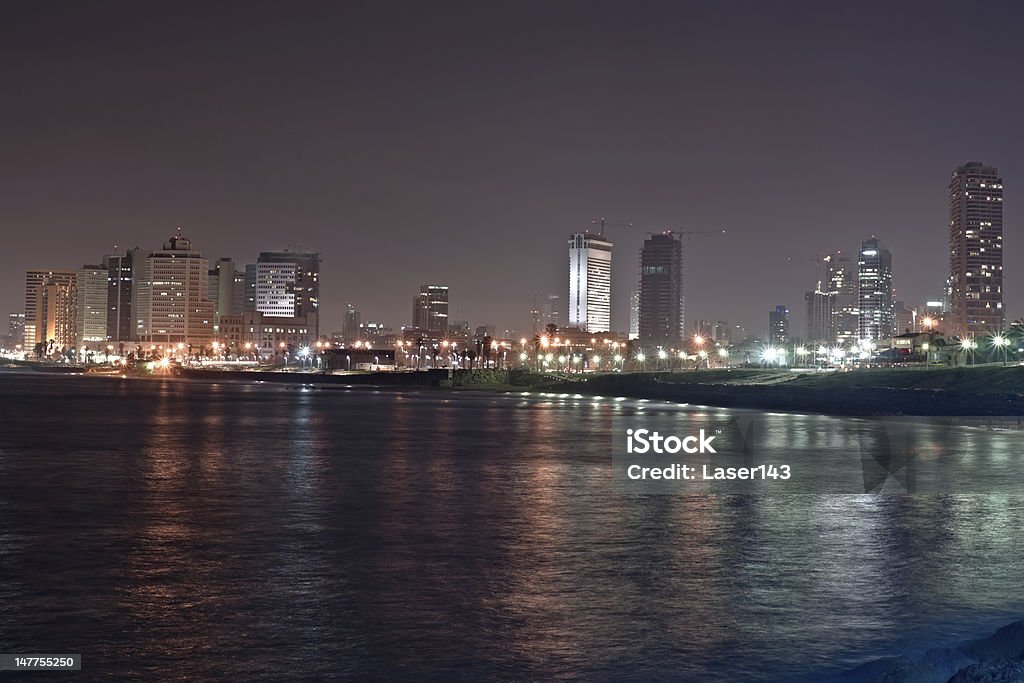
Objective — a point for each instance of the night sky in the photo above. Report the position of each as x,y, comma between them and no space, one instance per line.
460,144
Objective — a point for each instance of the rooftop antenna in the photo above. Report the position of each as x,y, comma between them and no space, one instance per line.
603,222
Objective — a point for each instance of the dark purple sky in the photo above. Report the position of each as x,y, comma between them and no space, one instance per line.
460,144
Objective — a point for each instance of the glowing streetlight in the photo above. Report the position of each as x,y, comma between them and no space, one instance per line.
969,345
1001,342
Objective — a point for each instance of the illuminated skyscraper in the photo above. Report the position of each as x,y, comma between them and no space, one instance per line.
876,308
171,304
976,250
44,325
91,316
841,283
778,326
590,282
288,286
430,309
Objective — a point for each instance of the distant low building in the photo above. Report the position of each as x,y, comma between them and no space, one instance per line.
270,336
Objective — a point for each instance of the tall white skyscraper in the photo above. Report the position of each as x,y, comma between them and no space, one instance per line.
590,282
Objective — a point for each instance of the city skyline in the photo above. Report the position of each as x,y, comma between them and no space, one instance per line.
522,142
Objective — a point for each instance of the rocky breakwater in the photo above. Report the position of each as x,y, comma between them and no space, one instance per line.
998,658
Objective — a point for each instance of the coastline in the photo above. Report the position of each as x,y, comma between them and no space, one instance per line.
992,658
863,393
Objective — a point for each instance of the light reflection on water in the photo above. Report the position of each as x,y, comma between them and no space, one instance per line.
187,530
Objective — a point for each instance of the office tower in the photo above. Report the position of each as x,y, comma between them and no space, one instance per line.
876,310
661,291
976,250
634,314
54,323
721,333
171,303
551,311
249,296
221,284
703,328
819,315
92,308
238,293
841,283
430,309
590,282
122,270
904,319
34,280
288,283
350,325
16,328
778,326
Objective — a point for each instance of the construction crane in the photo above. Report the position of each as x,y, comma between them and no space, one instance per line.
682,230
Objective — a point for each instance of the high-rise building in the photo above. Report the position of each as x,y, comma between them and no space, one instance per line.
34,280
288,285
430,309
221,289
351,324
590,282
249,295
16,328
904,319
551,311
721,333
55,314
634,314
841,283
171,303
91,314
661,291
778,326
876,309
819,316
976,250
122,271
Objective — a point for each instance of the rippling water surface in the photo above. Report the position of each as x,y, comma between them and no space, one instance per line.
181,530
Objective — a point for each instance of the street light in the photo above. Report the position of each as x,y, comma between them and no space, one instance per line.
969,345
1001,342
801,352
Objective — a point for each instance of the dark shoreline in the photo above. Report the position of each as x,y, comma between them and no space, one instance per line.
849,401
994,658
853,401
